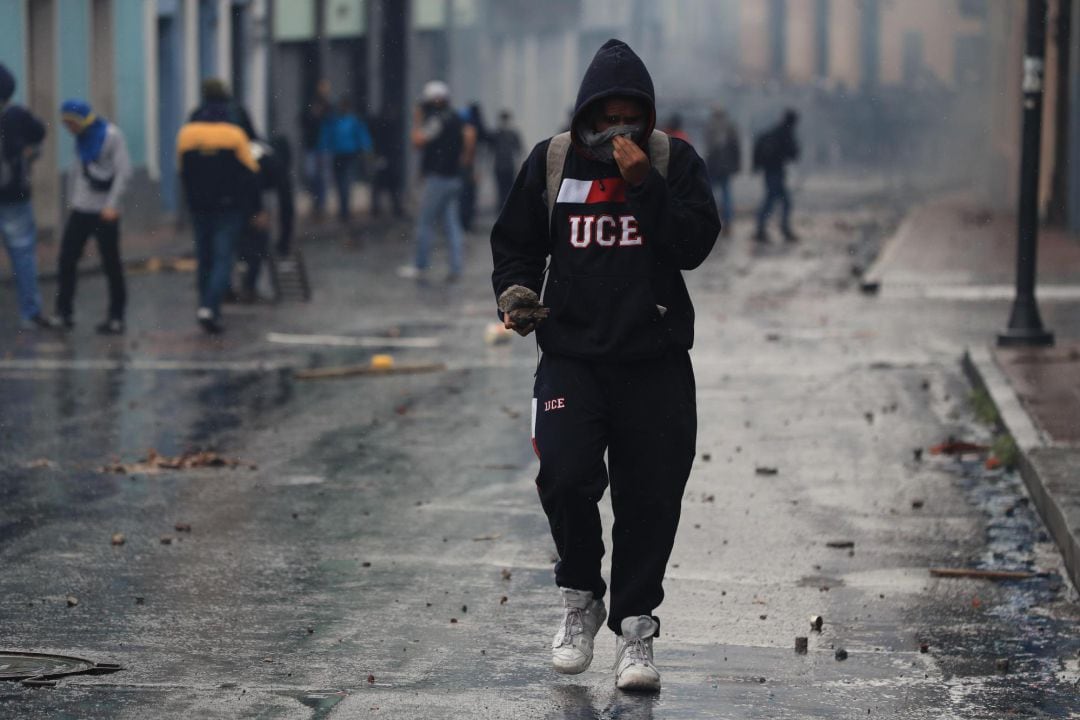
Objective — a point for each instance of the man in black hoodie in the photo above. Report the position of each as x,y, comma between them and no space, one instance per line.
620,210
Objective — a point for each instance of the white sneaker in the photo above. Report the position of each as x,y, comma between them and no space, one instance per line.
634,669
572,650
410,272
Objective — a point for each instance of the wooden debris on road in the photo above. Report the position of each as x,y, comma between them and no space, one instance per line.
353,370
981,574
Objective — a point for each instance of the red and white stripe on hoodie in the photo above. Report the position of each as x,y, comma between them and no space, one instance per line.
589,192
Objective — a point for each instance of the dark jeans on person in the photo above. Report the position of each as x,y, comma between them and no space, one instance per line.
252,250
722,189
644,414
344,174
216,234
775,191
80,226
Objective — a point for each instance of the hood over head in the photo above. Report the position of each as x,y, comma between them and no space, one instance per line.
615,71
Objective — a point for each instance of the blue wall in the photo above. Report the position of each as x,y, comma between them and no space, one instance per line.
130,63
72,67
12,43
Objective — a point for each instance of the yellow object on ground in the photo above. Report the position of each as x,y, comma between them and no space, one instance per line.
382,362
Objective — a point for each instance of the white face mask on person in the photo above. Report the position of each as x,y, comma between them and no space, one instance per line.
600,143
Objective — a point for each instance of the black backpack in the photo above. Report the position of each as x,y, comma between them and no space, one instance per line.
766,150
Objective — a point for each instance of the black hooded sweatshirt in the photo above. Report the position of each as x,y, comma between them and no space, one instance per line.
614,284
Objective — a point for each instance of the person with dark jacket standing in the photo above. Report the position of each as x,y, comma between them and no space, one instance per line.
473,117
506,146
219,176
20,134
723,157
446,147
387,134
312,118
773,150
620,211
99,176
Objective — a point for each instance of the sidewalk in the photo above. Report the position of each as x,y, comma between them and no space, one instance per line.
953,250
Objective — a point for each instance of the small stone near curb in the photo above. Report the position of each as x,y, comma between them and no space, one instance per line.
841,654
118,539
802,645
72,601
816,621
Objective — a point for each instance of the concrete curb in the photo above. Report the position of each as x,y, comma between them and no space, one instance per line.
1051,473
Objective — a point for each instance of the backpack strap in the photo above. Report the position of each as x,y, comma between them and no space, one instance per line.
556,161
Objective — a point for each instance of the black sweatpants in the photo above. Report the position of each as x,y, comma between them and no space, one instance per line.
80,226
644,414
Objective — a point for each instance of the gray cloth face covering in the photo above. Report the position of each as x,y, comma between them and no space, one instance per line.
600,143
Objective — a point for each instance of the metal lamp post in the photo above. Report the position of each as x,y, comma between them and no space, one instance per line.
1025,325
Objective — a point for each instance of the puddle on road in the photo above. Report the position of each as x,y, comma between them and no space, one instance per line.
321,701
1025,622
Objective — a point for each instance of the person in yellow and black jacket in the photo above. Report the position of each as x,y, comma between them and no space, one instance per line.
219,177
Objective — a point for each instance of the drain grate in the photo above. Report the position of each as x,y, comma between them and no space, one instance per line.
43,669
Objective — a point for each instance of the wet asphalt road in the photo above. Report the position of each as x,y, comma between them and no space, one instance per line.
381,552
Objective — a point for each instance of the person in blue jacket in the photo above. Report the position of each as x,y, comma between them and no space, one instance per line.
346,139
